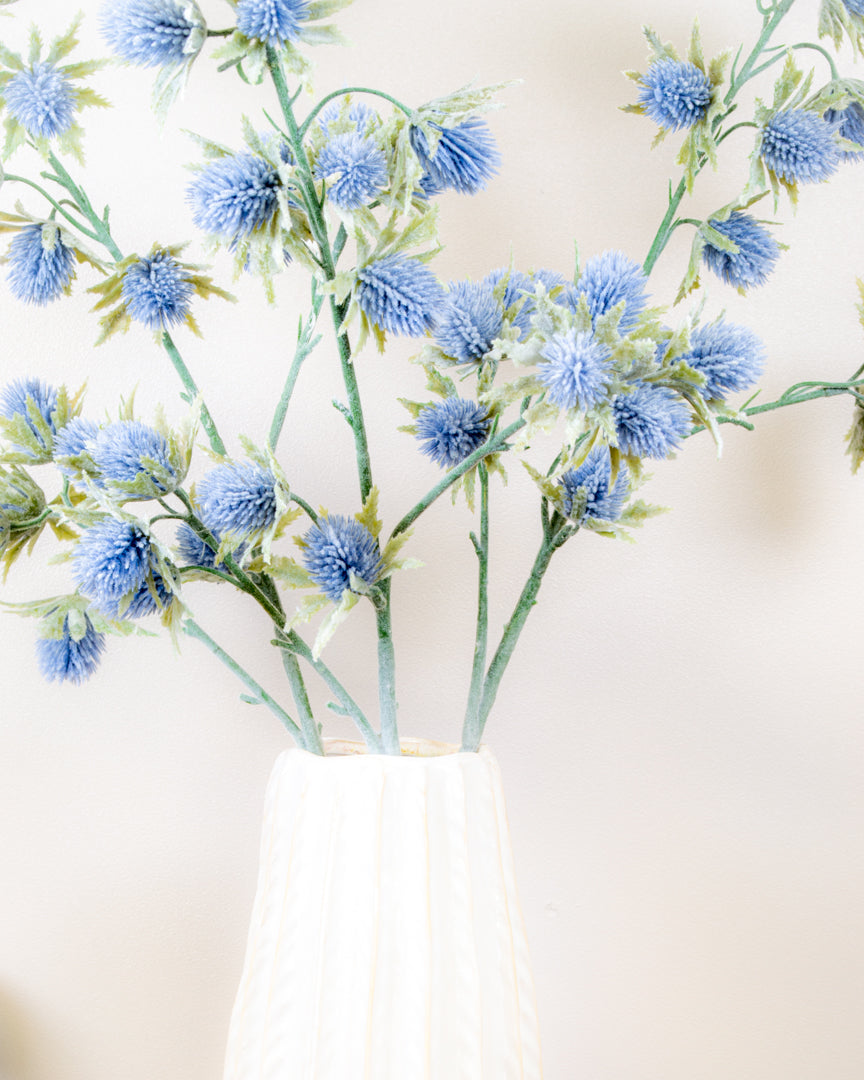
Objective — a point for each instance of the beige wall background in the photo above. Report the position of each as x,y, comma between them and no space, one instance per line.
681,731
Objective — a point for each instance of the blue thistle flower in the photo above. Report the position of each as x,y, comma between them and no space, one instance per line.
151,33
608,279
354,168
337,547
192,551
399,294
233,196
849,123
520,287
143,602
16,399
468,321
730,357
64,659
594,477
451,430
576,375
856,7
798,146
757,253
361,116
675,93
156,291
273,21
465,158
73,440
650,420
111,560
41,266
129,450
42,100
238,499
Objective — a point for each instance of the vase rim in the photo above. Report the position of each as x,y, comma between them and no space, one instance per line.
413,749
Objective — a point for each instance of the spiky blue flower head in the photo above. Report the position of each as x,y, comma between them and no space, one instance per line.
361,116
650,420
608,279
464,160
192,551
468,321
594,477
66,659
111,560
156,291
41,266
855,6
19,396
128,451
577,369
798,146
451,430
42,99
238,499
143,602
519,292
273,21
399,294
73,440
731,358
151,33
337,547
757,253
849,123
233,196
675,93
354,168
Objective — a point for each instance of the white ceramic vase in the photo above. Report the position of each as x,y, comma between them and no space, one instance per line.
386,942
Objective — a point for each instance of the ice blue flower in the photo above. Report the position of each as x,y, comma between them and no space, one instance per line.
798,146
64,659
128,451
399,294
233,196
151,33
20,396
143,602
238,499
650,421
730,357
156,291
468,321
519,292
360,115
675,93
354,168
465,158
849,123
111,560
192,551
577,370
856,7
592,481
337,547
41,266
451,430
608,279
757,253
273,21
75,438
42,100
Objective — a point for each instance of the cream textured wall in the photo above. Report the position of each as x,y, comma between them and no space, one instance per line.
681,732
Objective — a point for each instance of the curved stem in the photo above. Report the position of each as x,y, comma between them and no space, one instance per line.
304,127
30,183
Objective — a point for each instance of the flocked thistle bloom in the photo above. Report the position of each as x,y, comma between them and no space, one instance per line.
340,553
451,430
731,358
152,33
112,560
608,279
358,113
72,442
675,93
42,99
519,293
465,158
468,321
354,169
855,6
238,499
234,195
23,395
650,421
754,260
134,460
399,294
41,265
799,147
72,657
156,291
577,370
273,21
192,550
149,598
850,125
587,490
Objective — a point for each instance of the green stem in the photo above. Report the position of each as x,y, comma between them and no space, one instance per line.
73,221
352,90
191,628
305,344
192,392
311,733
387,672
471,729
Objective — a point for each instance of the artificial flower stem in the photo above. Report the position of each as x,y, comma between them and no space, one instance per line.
305,344
103,233
192,391
470,730
387,674
304,127
193,630
311,731
23,180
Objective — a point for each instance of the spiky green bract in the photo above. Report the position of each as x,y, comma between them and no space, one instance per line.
353,168
238,500
41,266
341,555
588,490
749,255
517,297
75,655
577,371
468,321
135,461
34,403
799,147
839,17
21,498
609,279
399,294
650,420
448,432
730,357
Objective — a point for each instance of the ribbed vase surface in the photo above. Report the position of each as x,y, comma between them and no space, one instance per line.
386,942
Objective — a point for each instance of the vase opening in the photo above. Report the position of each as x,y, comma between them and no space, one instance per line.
411,748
